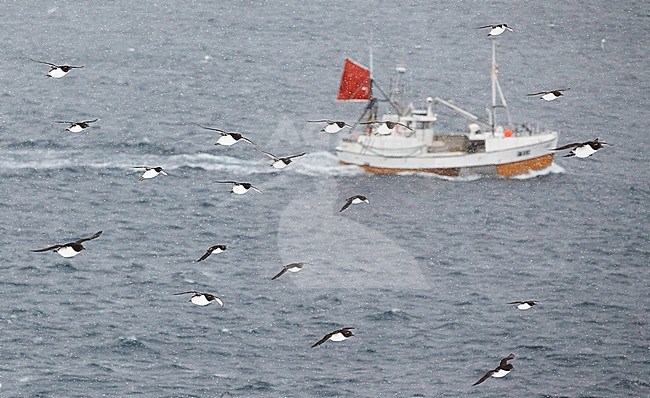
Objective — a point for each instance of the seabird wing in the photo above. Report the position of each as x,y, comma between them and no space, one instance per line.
296,156
538,93
324,339
206,255
141,167
516,302
486,26
272,156
46,63
247,140
320,121
402,124
567,146
191,291
213,129
485,377
55,247
346,205
64,121
97,235
369,122
89,121
256,189
280,273
226,182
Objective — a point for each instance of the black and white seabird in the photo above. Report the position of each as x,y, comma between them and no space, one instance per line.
199,298
524,305
503,369
332,126
150,172
227,138
58,71
214,249
77,127
496,30
549,95
280,163
337,335
293,267
387,127
354,200
240,188
582,149
70,249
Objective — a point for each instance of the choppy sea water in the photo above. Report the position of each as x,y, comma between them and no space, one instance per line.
423,272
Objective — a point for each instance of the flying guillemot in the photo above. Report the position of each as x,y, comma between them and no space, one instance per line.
70,249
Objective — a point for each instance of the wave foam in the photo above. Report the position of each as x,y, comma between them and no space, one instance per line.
320,163
554,168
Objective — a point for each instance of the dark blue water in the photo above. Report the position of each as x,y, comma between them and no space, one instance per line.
423,272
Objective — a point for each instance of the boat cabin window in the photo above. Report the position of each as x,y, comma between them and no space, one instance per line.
476,146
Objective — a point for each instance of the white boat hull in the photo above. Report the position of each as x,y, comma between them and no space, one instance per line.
502,156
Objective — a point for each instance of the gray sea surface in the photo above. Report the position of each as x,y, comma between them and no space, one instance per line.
423,273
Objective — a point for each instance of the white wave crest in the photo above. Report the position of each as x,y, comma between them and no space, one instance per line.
554,168
324,163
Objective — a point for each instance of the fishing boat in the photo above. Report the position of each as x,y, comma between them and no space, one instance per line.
416,145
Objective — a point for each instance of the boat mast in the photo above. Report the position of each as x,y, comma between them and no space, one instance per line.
371,67
397,92
496,87
370,112
493,78
372,105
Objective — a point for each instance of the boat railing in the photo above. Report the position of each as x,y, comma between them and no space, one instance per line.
527,129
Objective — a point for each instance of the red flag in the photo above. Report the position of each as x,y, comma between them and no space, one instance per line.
355,82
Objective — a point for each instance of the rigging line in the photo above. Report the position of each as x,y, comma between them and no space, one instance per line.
414,151
394,104
361,86
503,101
368,107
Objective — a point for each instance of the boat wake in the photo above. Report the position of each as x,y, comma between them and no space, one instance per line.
466,178
319,163
554,168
